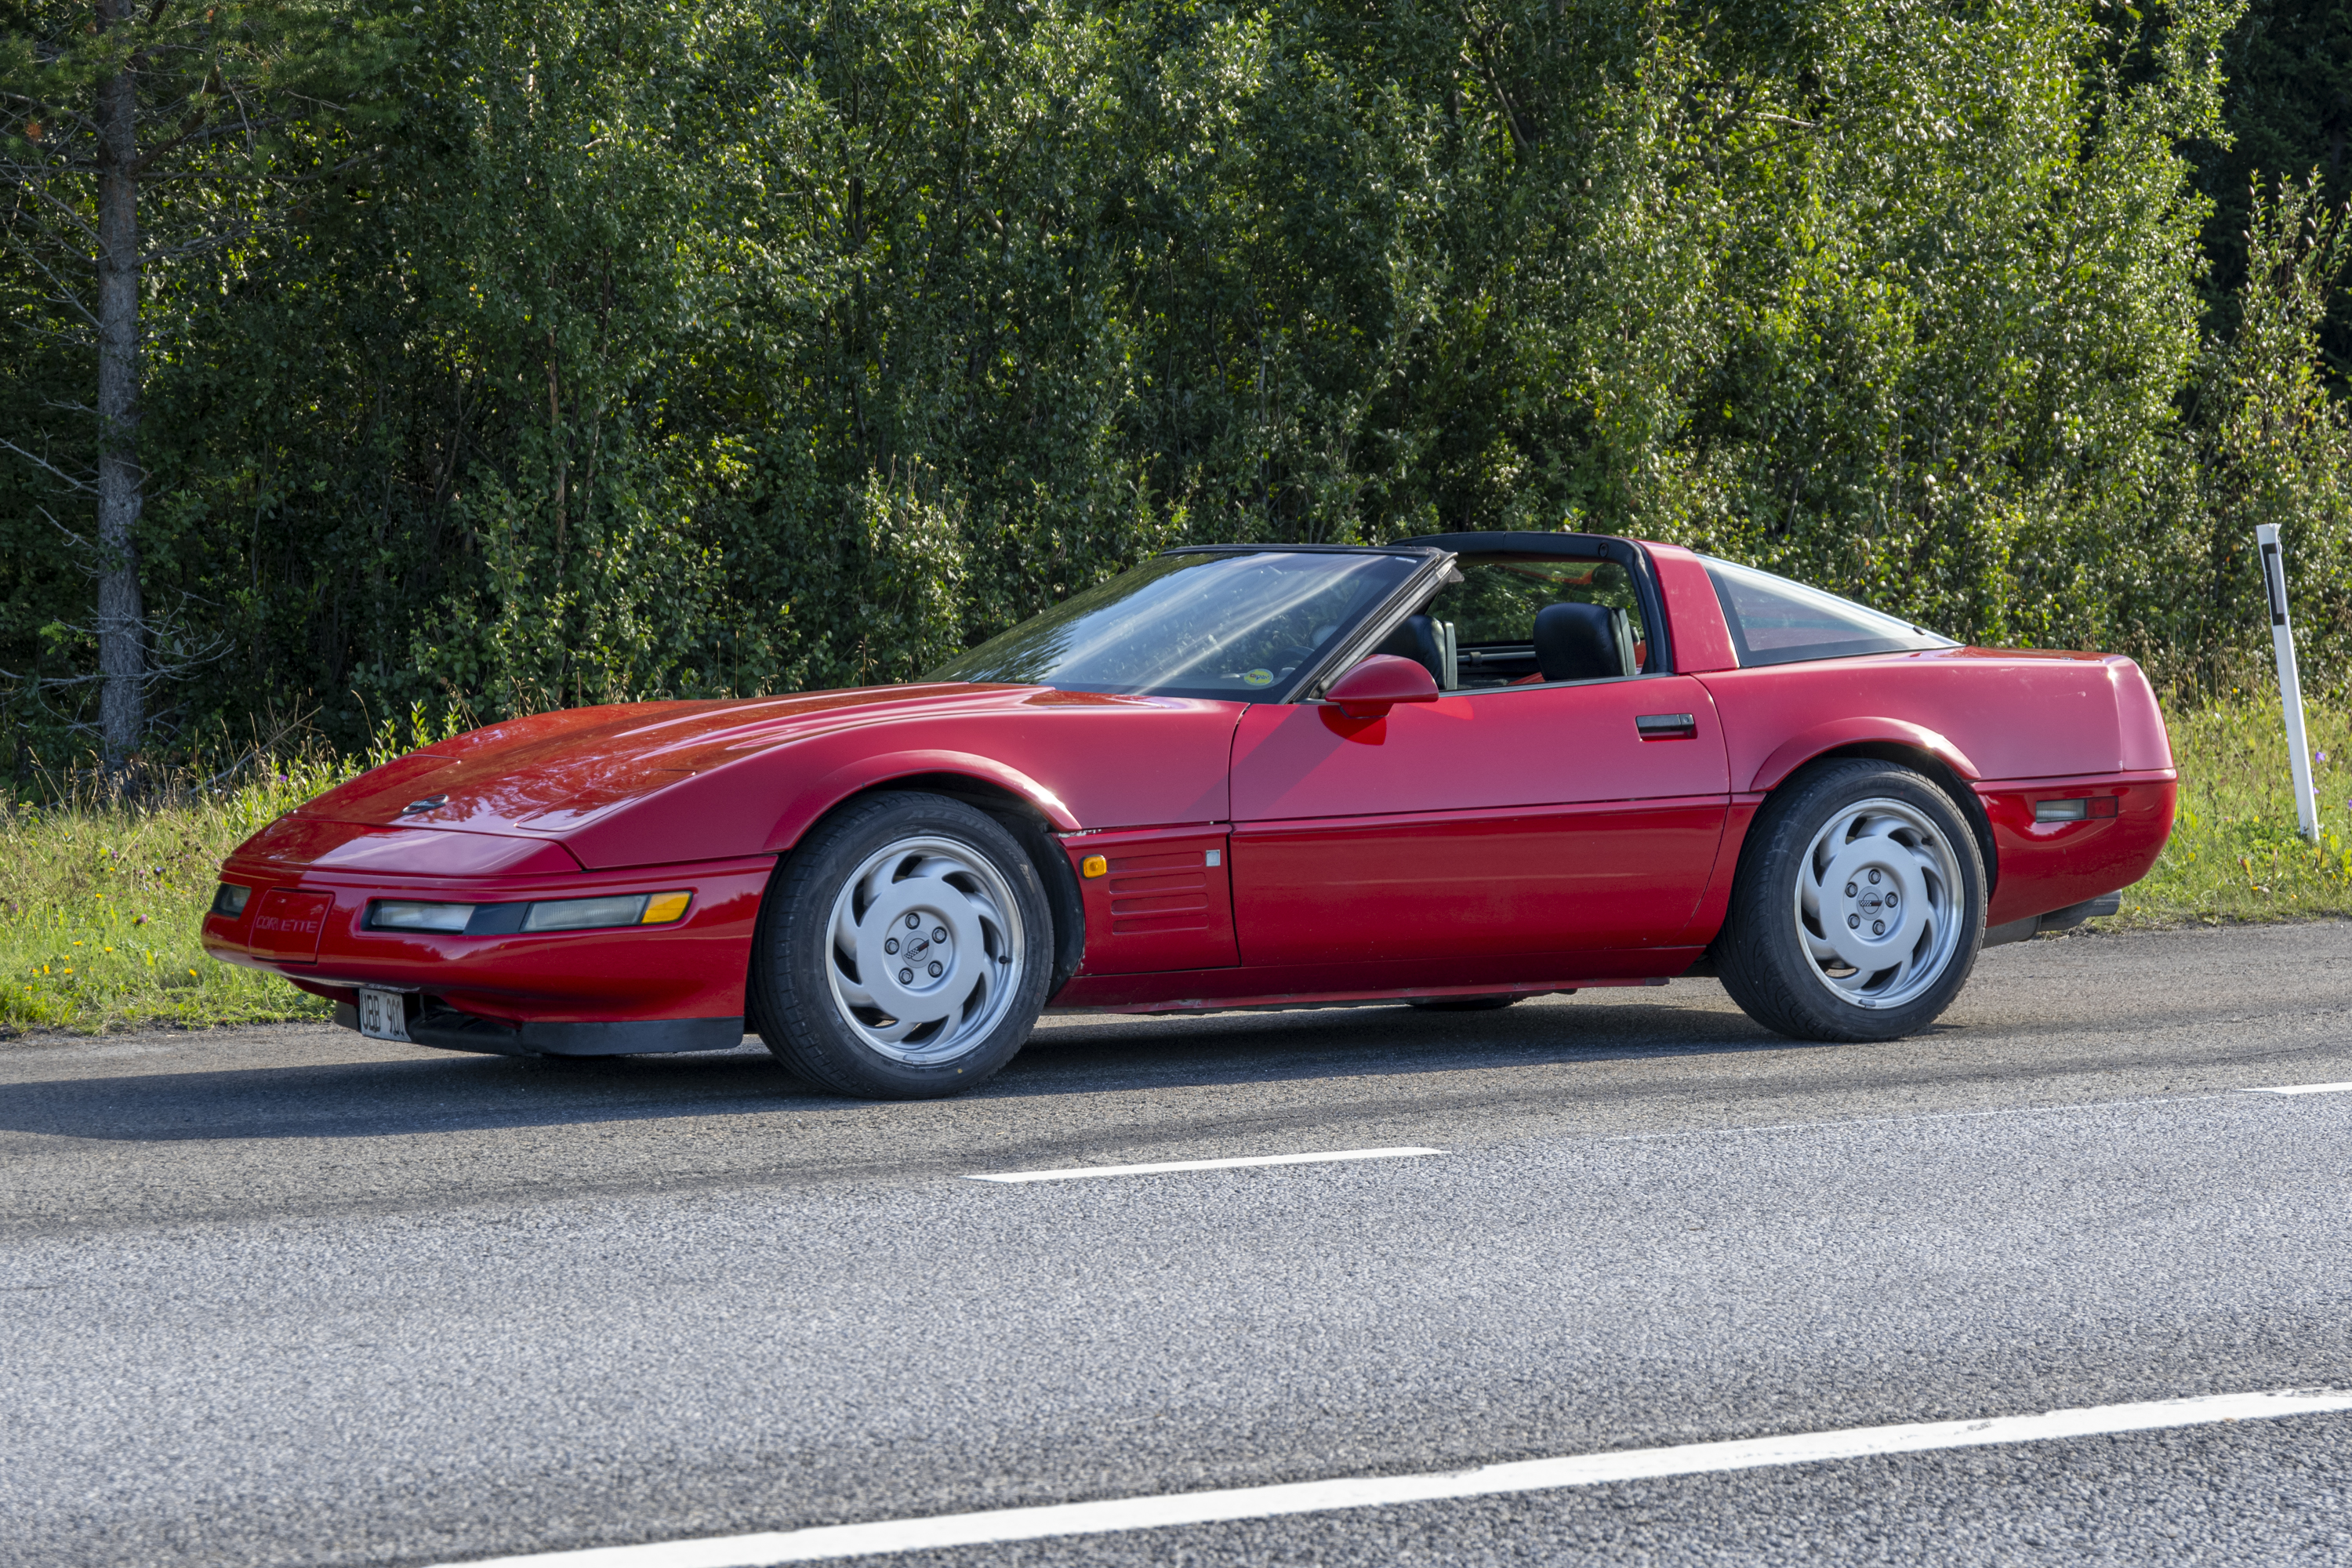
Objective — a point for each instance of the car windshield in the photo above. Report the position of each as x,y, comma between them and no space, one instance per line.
1776,621
1241,626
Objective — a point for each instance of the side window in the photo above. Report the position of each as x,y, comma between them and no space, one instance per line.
1525,619
1776,621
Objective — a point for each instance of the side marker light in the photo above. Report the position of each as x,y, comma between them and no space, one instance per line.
2097,805
664,907
1094,865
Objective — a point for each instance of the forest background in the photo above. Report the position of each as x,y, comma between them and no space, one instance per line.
495,355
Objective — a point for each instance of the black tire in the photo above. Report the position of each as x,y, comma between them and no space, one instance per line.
1463,1004
1898,838
975,917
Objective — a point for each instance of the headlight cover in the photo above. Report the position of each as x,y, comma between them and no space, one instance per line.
544,915
386,914
595,914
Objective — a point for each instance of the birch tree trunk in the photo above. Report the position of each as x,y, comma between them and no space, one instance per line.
122,618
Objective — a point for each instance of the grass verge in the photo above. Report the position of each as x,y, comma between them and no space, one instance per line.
99,901
2235,854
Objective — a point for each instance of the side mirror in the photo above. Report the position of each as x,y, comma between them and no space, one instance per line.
1379,683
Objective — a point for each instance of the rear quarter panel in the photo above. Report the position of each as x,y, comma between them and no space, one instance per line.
2006,714
2016,726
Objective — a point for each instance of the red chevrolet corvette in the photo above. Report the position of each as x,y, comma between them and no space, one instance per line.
1453,772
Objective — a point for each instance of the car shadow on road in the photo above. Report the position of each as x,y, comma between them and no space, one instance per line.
432,1093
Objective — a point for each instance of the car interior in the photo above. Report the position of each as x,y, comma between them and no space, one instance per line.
1525,620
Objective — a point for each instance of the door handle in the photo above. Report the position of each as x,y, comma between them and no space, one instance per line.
1666,726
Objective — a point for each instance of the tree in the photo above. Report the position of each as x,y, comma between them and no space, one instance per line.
99,102
2289,111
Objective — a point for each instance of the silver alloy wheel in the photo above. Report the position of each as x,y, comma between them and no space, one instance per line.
926,950
1879,903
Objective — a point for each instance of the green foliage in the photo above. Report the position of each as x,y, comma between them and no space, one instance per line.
2289,68
653,349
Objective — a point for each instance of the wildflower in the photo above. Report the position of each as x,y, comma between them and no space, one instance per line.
141,920
192,974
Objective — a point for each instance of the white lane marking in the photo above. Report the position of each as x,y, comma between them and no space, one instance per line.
2305,1088
1377,1491
1153,1170
1833,1124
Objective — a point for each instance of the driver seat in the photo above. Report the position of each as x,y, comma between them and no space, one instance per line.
1416,639
1582,642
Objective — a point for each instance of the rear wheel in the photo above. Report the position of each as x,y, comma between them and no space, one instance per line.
903,950
1858,907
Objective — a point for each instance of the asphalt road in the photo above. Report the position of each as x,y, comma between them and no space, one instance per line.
288,1296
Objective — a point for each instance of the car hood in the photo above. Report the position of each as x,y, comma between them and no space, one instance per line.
551,772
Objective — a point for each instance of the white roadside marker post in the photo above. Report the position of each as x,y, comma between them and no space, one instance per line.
2298,744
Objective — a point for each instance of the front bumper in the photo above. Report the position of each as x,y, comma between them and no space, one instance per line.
680,982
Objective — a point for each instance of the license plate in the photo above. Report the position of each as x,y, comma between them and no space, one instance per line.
383,1015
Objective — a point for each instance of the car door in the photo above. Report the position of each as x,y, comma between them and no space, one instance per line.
1511,821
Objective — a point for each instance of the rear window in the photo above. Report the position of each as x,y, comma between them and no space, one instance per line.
1776,621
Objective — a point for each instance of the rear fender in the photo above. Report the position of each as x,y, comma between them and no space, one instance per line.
1856,736
1894,741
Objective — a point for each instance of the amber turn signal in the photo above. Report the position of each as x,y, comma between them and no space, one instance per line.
1094,865
664,907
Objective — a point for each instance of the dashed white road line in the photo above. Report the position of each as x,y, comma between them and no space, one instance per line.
1074,1171
1375,1491
2306,1088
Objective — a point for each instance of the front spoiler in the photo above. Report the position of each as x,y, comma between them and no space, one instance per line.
445,1028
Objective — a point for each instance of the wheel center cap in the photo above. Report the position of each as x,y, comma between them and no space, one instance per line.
1869,911
920,951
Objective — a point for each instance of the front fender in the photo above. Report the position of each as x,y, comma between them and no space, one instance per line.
814,801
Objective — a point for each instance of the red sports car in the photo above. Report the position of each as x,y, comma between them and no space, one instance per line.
1453,772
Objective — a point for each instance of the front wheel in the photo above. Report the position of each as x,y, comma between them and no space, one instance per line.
1858,907
903,950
